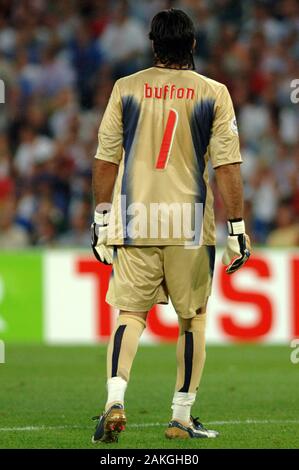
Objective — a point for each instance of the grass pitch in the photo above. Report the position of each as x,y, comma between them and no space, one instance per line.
48,395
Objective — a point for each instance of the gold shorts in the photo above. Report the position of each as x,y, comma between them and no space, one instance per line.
145,276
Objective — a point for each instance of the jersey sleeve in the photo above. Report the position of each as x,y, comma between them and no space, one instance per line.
110,136
224,145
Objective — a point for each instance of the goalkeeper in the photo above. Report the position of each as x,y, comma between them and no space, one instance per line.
160,129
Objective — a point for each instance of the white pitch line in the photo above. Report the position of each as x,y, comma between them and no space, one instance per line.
223,423
40,428
256,421
149,425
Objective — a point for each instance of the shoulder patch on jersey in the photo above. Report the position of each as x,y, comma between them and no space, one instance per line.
234,126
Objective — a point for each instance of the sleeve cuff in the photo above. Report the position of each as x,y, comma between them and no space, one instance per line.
105,158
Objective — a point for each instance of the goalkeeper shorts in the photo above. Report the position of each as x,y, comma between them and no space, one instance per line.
145,276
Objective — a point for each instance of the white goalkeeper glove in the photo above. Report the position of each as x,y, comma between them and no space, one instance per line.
237,250
99,237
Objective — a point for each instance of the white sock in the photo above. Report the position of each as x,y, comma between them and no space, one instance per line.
181,406
116,387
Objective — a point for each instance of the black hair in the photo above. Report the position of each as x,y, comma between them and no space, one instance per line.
172,33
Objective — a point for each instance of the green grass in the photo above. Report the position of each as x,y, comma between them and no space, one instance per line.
60,388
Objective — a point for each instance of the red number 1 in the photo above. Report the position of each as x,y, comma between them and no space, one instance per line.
167,140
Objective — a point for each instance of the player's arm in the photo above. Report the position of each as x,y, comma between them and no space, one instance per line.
103,179
230,185
226,159
104,173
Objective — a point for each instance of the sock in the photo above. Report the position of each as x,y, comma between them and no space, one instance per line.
121,352
181,406
116,388
190,363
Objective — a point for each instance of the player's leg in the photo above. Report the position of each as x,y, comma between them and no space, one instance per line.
121,352
188,277
191,355
135,286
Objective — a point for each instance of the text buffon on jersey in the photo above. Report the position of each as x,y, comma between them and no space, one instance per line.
168,92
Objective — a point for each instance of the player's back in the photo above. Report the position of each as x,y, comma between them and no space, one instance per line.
167,119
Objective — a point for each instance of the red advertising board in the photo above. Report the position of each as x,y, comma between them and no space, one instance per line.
258,303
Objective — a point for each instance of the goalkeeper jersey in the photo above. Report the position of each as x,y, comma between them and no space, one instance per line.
161,126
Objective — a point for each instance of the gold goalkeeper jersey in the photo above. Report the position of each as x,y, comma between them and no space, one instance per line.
161,126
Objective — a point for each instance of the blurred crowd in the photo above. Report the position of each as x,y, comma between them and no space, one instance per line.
59,60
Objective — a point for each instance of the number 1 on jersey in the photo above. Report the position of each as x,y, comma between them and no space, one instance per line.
167,140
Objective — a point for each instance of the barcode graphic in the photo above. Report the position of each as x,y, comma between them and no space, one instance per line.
2,352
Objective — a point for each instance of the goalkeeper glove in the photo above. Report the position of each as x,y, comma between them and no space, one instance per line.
237,250
99,237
